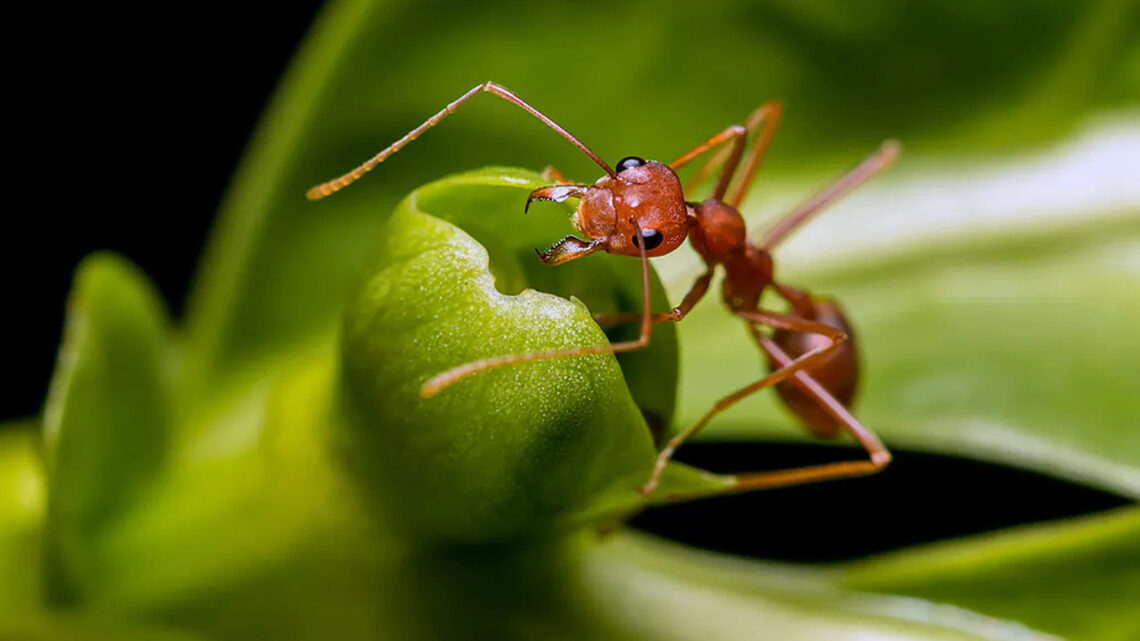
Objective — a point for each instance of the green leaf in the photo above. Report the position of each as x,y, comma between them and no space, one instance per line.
281,510
1079,579
516,448
656,590
107,420
70,626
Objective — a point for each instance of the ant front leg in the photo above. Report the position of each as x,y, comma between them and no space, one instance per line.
786,370
438,383
692,297
737,135
766,117
762,121
551,173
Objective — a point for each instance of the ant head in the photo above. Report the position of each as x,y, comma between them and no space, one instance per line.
643,203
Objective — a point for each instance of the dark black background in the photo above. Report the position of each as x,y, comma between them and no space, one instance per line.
134,120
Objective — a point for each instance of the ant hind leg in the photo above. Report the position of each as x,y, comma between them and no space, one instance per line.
788,368
879,455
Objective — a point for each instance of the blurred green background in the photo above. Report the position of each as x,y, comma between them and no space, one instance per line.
993,276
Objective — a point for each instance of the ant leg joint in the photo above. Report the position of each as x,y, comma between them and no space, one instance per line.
880,459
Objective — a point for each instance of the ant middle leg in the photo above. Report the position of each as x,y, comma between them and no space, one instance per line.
786,370
438,383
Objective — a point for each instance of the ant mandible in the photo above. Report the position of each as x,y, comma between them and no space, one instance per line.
639,209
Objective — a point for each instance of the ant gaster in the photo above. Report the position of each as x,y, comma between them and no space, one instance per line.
639,209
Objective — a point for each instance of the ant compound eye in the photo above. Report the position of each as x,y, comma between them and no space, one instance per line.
629,162
653,239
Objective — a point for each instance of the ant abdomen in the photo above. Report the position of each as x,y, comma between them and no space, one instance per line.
839,374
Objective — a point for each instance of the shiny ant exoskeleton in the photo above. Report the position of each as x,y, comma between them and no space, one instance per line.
639,209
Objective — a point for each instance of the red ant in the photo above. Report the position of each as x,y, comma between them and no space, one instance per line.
639,209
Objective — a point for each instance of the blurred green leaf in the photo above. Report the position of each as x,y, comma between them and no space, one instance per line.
107,418
1079,579
657,590
58,626
22,507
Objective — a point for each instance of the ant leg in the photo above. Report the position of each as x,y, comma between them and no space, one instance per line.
552,174
799,300
692,297
873,164
806,360
738,135
336,184
786,370
768,115
446,379
879,455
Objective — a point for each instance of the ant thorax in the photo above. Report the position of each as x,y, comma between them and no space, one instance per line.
718,230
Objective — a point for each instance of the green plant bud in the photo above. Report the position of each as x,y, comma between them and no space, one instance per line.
514,450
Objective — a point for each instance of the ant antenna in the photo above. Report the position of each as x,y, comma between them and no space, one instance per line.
336,184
